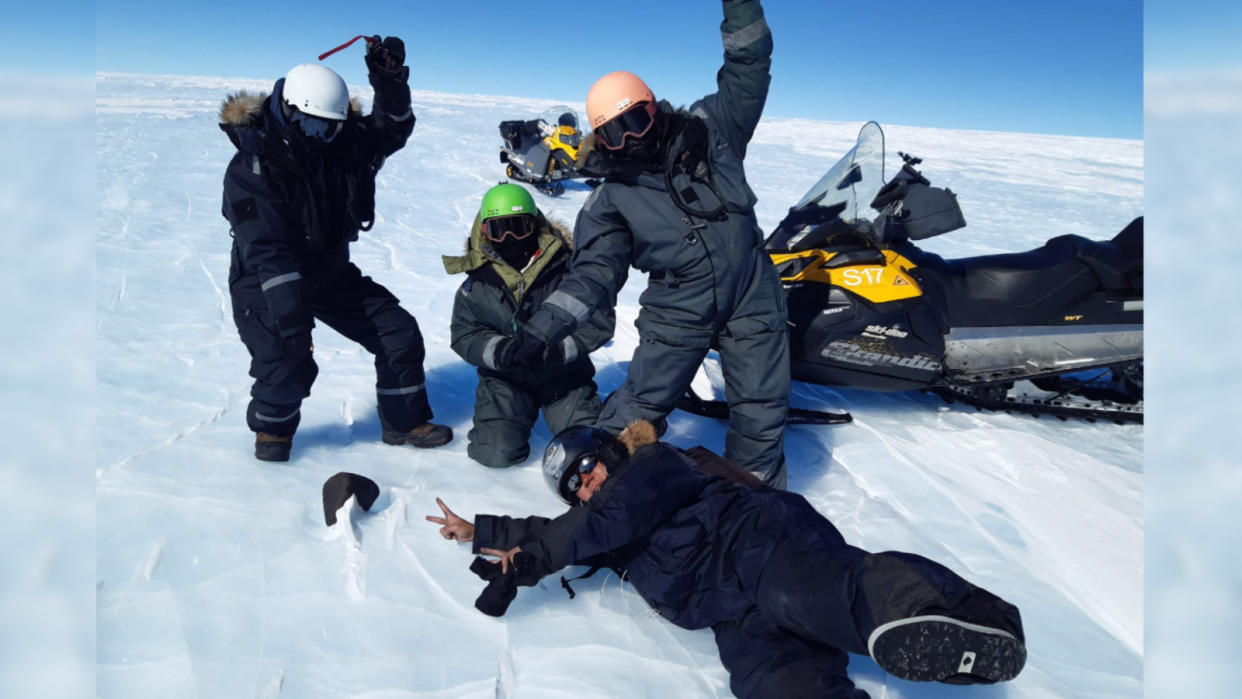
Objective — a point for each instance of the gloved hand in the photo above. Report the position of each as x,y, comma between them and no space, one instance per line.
386,55
519,350
554,355
495,598
502,586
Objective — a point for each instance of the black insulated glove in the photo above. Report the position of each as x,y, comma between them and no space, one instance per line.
518,350
387,56
502,587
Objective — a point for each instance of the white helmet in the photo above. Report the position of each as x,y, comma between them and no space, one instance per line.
318,91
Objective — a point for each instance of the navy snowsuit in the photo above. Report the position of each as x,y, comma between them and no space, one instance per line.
784,594
488,307
710,283
293,213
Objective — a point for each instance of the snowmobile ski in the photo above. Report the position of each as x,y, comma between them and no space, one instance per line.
718,409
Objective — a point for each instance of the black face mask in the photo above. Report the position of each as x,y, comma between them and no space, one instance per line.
646,153
516,253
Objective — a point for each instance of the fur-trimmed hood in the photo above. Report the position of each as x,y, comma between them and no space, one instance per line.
244,108
637,434
243,116
553,237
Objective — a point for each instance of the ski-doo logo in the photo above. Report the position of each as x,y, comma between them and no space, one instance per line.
843,351
886,331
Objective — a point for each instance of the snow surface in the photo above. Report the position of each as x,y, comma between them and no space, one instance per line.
216,576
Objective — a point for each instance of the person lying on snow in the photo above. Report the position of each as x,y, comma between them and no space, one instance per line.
706,545
515,258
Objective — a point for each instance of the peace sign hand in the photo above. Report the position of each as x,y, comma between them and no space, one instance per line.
453,527
506,558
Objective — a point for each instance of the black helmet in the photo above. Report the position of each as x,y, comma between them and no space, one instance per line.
574,452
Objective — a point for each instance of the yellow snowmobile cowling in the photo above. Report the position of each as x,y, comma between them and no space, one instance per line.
559,143
878,283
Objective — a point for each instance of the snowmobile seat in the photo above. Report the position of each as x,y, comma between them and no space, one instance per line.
1007,289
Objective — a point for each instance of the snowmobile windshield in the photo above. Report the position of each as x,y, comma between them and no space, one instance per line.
560,115
845,191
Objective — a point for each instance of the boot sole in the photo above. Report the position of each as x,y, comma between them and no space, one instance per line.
937,648
402,438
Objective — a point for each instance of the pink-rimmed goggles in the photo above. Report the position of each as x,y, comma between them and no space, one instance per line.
634,122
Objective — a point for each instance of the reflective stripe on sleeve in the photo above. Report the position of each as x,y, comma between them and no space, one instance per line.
746,36
569,348
489,352
569,304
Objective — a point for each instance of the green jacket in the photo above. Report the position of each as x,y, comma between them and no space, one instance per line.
496,298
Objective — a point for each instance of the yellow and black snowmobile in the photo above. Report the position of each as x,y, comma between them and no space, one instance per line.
542,151
1057,330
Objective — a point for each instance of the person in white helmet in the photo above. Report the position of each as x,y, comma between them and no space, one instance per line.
297,192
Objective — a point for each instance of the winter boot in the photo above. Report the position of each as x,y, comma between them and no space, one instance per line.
272,447
936,648
933,626
425,436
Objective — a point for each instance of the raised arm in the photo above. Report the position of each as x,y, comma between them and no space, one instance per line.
743,80
391,120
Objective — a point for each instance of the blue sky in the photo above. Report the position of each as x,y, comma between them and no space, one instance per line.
1053,66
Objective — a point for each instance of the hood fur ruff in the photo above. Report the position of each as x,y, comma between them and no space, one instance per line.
242,108
637,434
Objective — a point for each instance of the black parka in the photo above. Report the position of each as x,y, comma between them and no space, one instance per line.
294,212
693,545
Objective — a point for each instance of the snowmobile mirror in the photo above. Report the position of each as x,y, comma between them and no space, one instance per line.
853,177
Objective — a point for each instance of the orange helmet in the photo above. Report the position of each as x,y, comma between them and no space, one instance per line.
613,94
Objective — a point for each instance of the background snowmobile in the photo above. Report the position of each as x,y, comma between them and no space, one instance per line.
542,151
1056,330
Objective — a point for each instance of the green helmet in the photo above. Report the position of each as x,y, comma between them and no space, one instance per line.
506,200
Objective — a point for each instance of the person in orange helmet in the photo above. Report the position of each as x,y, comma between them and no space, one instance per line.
675,204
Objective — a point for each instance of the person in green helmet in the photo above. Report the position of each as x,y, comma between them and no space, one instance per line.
515,258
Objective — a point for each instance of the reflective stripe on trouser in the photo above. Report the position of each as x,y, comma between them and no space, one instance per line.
505,412
282,368
359,309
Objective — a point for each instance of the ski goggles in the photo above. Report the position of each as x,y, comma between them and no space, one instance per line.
585,464
313,127
518,227
632,123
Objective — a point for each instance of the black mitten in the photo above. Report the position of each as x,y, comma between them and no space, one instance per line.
386,56
502,587
495,598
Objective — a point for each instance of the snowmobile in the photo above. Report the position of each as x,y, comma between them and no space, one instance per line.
1056,330
542,151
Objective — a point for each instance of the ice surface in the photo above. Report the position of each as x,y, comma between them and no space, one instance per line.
217,578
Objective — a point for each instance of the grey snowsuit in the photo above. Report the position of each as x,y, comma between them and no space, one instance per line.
710,283
489,305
